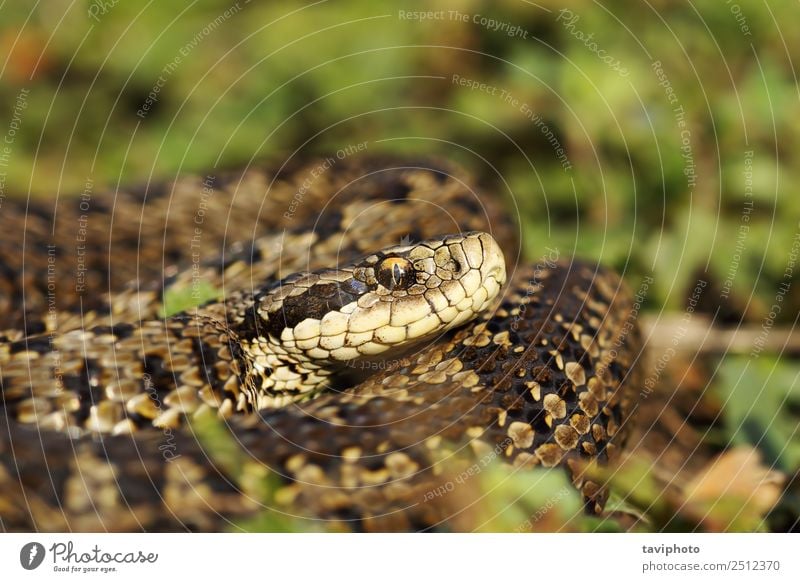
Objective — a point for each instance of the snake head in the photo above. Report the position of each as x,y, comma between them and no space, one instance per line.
389,299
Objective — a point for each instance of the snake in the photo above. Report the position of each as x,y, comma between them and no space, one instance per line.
358,323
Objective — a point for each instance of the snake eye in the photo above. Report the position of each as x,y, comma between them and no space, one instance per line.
394,273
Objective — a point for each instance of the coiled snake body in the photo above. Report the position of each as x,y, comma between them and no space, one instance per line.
98,387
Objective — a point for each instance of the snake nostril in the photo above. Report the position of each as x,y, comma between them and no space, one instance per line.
499,271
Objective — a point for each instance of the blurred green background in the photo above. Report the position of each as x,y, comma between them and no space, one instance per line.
660,138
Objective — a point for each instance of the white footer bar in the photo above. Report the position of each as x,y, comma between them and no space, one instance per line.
398,557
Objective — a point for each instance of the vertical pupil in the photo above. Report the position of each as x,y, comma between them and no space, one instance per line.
397,274
393,273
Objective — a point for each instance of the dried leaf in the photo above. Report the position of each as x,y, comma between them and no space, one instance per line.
733,493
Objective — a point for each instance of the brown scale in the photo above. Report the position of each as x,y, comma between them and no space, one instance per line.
366,458
255,225
117,379
74,385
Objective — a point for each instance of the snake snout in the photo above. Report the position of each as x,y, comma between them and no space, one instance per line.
486,257
494,262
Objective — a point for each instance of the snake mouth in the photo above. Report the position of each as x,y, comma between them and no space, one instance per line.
391,299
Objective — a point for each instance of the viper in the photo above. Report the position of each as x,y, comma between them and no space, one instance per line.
351,323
